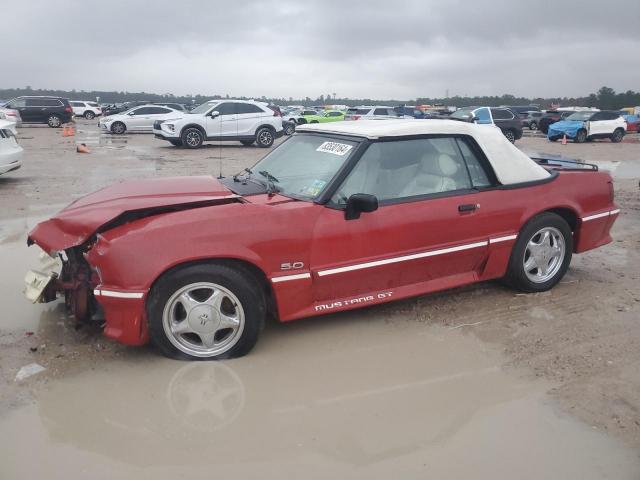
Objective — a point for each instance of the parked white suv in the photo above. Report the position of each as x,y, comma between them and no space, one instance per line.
88,110
246,121
373,112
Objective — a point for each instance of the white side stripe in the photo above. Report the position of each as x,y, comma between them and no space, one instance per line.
503,239
600,215
286,278
404,258
110,293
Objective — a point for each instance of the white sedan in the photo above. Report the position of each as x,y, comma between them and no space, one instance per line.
10,151
138,119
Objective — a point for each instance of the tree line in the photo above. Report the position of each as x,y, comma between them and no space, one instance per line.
605,98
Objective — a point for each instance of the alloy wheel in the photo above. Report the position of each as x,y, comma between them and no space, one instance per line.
203,319
544,255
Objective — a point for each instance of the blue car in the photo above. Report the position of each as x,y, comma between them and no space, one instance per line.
589,125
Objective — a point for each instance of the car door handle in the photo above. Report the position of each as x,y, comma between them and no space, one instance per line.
469,207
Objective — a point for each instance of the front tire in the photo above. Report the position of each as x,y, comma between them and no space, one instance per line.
265,137
54,121
533,126
192,137
89,115
541,255
206,312
118,128
581,136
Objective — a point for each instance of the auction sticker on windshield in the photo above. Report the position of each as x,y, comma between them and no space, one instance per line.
335,148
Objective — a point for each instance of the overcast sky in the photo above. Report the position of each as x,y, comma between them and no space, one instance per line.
357,48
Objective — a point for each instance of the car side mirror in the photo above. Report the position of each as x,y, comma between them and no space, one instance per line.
131,114
214,114
475,119
360,203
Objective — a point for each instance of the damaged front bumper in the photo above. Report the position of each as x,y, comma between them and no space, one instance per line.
40,284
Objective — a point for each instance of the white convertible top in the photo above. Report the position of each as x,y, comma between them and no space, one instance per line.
508,162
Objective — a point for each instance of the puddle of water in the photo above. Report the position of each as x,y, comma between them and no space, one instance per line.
349,396
15,259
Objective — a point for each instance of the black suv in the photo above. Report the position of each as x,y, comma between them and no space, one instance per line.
54,111
508,121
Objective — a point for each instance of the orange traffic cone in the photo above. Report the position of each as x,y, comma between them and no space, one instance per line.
65,131
72,130
564,139
82,148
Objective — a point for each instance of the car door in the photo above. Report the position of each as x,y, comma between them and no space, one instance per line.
151,115
428,232
135,118
248,116
225,124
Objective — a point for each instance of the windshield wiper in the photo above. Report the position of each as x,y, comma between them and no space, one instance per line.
271,182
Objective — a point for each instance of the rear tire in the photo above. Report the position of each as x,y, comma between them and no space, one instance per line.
531,255
290,129
192,137
581,136
201,334
617,136
533,126
118,128
510,134
265,137
89,115
54,121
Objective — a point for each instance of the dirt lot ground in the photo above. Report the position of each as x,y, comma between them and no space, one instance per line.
480,382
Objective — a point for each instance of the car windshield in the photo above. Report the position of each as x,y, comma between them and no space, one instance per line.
580,116
303,165
463,113
204,108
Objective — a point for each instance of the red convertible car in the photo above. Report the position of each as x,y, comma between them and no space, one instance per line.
339,216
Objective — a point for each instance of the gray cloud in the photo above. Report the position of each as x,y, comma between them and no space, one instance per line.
357,48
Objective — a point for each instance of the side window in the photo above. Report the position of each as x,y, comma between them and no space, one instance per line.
483,115
478,174
381,111
598,116
407,168
141,111
227,108
611,115
76,104
248,108
157,110
34,102
17,103
501,114
334,114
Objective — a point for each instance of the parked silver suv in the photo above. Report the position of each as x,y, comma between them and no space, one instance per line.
246,121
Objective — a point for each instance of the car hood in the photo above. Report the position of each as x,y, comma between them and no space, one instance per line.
124,202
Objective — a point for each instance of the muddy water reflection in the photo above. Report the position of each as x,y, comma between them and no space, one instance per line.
356,396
